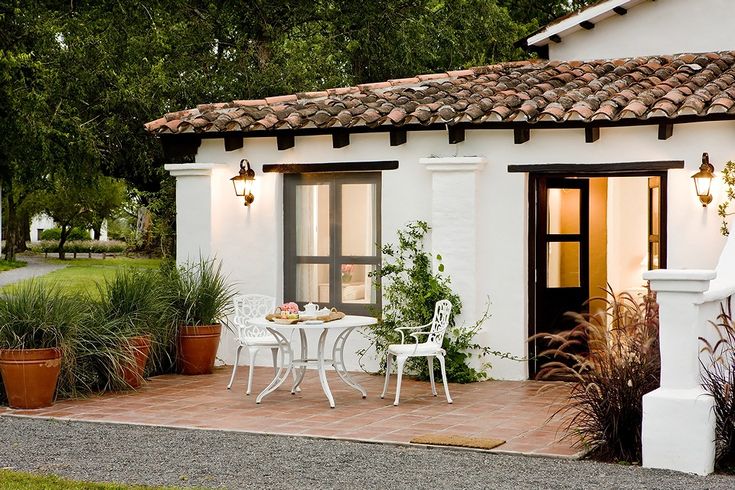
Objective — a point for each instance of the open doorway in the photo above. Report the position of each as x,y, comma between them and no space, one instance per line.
585,232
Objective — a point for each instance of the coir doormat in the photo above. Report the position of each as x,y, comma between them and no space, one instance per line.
457,441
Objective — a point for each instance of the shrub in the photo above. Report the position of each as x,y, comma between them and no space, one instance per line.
613,357
74,234
79,247
410,293
718,378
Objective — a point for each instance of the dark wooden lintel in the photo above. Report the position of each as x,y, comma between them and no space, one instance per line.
620,10
306,168
665,131
233,141
597,168
521,135
591,134
398,137
585,24
456,134
340,138
285,140
556,38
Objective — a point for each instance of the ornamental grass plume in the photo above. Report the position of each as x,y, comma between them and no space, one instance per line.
718,379
613,358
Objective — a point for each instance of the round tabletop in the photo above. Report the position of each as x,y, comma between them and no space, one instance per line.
346,322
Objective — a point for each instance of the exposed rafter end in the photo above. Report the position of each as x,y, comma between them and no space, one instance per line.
665,131
398,137
233,142
555,38
181,147
585,24
340,138
456,134
285,141
591,134
521,135
620,10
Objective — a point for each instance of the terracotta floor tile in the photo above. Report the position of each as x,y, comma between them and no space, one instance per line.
513,410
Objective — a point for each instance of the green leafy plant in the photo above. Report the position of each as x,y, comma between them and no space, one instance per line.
75,234
198,293
723,210
410,290
718,378
613,358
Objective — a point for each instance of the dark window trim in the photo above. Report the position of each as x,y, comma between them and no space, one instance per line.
587,169
335,259
306,168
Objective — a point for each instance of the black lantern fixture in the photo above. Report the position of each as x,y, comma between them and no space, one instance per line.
703,180
243,182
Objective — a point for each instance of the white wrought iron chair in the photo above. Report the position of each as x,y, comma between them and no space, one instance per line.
430,349
251,336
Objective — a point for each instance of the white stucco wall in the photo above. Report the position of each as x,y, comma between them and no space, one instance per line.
650,28
249,241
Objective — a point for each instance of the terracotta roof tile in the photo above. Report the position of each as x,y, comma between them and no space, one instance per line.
691,84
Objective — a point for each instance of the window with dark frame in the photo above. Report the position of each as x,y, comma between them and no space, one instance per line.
332,239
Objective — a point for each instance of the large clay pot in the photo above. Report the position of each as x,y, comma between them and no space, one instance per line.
139,349
198,348
30,376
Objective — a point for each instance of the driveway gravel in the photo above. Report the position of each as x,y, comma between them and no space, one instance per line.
217,459
37,266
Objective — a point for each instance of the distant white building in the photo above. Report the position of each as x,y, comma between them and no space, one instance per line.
42,222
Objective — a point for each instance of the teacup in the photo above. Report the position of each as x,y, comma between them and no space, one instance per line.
311,308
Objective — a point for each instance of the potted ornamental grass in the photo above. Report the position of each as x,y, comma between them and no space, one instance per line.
134,307
200,298
36,320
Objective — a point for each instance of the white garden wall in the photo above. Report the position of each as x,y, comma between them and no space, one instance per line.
249,241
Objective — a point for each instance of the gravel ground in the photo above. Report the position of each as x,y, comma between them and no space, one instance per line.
161,456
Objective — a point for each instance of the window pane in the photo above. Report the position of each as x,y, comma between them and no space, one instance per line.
357,287
655,256
563,210
563,265
358,219
312,220
312,283
655,215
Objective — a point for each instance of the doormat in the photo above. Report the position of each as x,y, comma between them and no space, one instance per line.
457,441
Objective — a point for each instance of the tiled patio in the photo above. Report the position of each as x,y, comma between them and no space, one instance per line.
515,411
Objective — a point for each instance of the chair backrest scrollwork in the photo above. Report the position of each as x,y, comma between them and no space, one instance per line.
248,306
440,322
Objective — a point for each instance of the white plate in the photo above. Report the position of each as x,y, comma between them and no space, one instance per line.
313,322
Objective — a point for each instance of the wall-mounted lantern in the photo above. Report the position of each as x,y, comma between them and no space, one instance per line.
243,182
703,180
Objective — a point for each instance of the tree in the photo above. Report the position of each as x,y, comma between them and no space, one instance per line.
105,198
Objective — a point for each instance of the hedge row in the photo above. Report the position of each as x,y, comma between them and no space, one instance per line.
79,246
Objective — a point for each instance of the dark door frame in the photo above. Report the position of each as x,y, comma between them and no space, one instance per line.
535,174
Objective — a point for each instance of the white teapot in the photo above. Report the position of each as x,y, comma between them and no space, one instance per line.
310,309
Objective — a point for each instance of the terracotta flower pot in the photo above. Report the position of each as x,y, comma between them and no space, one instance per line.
198,348
139,349
30,376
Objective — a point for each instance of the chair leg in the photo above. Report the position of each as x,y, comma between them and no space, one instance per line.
400,361
444,378
387,373
430,360
234,368
251,351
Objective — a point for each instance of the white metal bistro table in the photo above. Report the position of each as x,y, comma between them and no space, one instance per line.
344,326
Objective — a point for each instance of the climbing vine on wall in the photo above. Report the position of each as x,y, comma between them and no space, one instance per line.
728,179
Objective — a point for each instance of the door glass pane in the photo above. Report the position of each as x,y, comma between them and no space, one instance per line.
312,283
655,215
358,219
563,211
357,286
562,259
655,261
312,220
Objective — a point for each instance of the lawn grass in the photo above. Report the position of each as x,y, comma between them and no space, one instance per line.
15,480
6,265
83,275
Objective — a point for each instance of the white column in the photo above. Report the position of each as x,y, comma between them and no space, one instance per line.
454,224
678,418
193,210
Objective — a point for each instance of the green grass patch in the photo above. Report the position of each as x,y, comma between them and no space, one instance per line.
6,265
83,275
15,480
